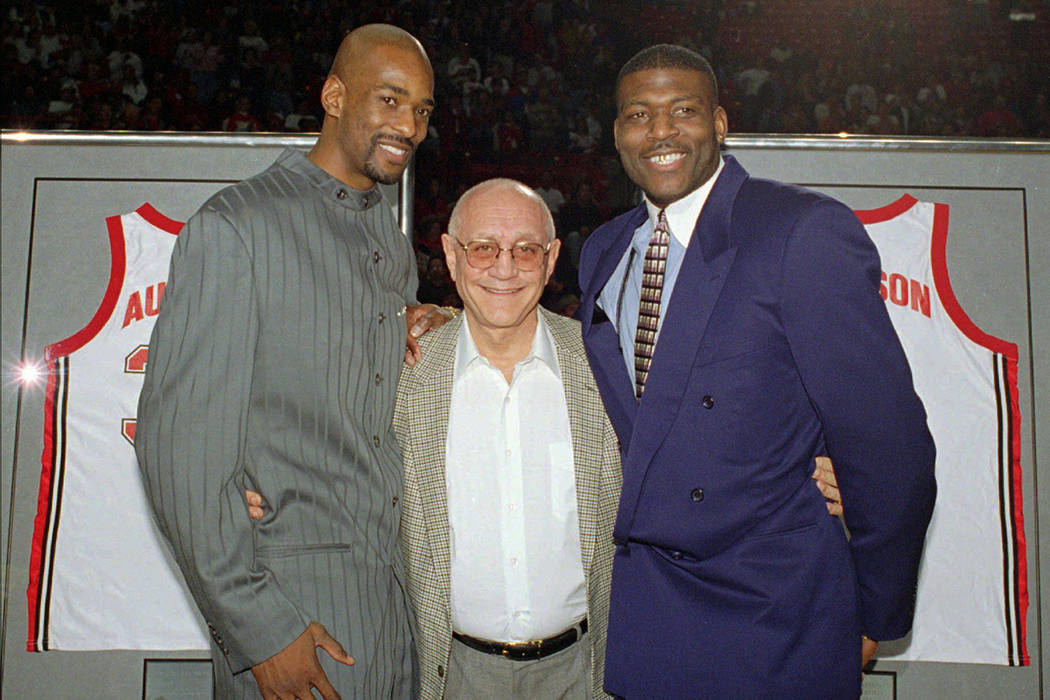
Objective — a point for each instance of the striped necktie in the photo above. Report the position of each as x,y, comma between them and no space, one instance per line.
649,303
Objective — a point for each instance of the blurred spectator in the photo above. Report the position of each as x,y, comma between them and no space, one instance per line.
574,243
549,193
94,83
999,120
130,117
830,116
546,128
436,286
101,116
581,139
432,205
428,241
882,122
188,113
121,57
63,112
515,79
582,210
508,137
242,118
302,112
25,109
251,39
124,8
1037,117
152,115
206,56
131,85
463,70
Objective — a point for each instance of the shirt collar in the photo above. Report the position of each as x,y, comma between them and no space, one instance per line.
542,349
682,214
334,190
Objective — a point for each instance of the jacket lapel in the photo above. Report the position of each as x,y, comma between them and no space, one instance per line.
431,399
585,422
603,342
701,278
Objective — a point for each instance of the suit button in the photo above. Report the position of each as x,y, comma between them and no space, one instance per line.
441,671
376,257
676,555
379,379
342,194
395,500
707,402
375,440
697,495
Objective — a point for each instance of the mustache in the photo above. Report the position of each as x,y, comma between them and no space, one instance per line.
667,145
396,138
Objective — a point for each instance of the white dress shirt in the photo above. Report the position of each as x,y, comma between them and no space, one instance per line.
516,568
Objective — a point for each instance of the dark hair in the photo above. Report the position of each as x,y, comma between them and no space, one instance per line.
668,56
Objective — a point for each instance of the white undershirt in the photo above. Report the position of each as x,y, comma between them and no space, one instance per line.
517,572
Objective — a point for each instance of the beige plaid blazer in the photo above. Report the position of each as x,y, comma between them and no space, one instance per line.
421,424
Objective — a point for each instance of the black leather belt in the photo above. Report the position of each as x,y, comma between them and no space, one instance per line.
531,650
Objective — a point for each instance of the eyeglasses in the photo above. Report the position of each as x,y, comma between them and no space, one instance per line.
482,254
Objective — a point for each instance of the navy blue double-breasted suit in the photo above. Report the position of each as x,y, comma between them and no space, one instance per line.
730,580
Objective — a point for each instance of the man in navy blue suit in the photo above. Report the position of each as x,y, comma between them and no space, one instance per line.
735,330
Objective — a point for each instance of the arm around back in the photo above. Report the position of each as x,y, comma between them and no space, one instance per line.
191,437
857,376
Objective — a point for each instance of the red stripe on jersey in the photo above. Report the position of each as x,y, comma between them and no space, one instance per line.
1017,516
109,301
876,216
42,524
941,280
147,212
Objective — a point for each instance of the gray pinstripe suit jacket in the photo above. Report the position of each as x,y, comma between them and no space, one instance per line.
271,367
421,423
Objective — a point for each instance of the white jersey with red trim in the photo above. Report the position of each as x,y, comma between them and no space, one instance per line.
100,575
972,596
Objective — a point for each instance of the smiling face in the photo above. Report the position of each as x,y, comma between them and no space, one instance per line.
501,299
381,110
668,131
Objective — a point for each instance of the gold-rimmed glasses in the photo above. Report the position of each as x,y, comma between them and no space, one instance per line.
482,253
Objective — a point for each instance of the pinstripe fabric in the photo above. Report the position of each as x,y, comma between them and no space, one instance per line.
421,424
271,367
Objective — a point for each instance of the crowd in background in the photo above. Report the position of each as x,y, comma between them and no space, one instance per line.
524,87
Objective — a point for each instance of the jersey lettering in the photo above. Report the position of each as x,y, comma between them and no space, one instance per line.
136,311
127,429
905,292
135,362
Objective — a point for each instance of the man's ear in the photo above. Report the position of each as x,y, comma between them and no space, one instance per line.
450,247
552,258
721,120
333,94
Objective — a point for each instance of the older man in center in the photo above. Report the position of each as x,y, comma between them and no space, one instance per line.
511,471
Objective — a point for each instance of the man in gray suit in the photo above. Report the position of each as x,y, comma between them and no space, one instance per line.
512,471
272,366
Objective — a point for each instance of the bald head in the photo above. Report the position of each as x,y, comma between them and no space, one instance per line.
498,190
366,39
377,101
501,288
